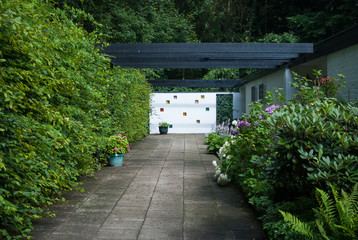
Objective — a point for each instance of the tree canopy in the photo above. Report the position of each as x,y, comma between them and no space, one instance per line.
165,21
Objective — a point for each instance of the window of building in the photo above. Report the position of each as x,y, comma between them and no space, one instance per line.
262,91
253,94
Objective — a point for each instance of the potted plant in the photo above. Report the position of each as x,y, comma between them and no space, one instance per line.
163,127
116,147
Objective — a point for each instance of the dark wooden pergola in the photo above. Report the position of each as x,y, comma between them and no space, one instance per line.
204,55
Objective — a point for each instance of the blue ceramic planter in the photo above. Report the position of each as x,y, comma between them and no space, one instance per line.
163,130
116,160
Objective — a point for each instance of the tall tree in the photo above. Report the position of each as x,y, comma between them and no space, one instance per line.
137,21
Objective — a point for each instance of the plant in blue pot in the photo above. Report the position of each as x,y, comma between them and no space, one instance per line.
163,127
116,147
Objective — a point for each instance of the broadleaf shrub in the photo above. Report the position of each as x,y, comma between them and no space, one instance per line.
280,153
59,102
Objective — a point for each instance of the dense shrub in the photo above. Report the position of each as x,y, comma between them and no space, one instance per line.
59,102
279,154
216,139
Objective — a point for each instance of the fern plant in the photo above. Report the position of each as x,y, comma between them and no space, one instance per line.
336,218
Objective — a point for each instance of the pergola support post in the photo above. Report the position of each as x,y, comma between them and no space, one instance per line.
289,90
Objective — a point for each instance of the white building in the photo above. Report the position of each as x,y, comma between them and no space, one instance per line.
335,55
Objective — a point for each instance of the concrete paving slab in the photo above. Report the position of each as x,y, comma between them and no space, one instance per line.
164,190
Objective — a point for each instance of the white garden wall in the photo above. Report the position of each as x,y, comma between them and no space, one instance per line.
186,112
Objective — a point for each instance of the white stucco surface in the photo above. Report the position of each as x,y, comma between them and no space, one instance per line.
200,109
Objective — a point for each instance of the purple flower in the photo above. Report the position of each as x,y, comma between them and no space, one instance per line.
234,132
271,108
261,117
256,123
115,149
241,124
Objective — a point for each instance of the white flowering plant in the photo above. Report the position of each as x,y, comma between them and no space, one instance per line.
117,144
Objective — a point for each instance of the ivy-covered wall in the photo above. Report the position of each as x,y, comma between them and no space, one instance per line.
59,101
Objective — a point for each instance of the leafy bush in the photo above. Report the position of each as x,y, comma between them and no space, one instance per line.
59,100
216,140
278,155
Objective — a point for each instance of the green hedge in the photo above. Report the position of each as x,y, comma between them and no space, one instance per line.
59,101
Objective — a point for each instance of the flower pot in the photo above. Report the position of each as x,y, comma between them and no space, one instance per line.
163,130
116,160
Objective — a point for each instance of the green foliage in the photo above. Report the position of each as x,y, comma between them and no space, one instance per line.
224,107
222,74
309,91
117,144
336,218
243,21
287,37
164,124
138,21
59,100
322,19
317,141
297,225
215,141
278,155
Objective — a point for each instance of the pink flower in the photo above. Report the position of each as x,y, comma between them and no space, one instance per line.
120,141
121,147
325,80
120,135
115,149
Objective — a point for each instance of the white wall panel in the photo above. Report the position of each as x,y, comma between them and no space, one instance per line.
200,109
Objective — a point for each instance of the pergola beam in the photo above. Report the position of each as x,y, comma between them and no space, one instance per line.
210,47
196,83
205,55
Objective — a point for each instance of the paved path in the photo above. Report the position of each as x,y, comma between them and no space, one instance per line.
164,190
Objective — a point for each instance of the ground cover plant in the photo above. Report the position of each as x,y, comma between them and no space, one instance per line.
281,152
59,101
